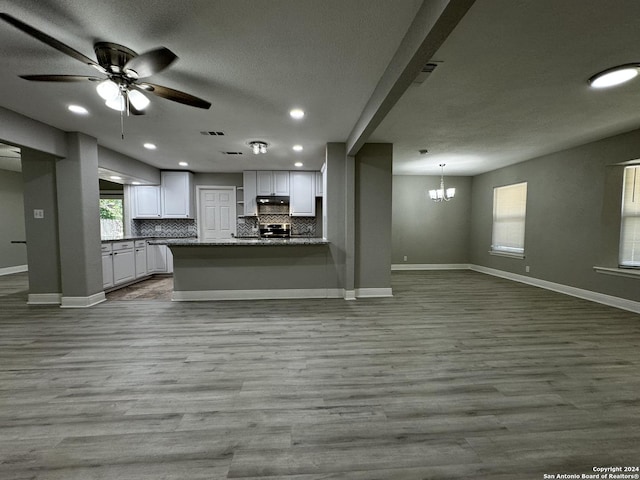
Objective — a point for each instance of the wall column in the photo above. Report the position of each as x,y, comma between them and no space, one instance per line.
79,222
39,187
373,189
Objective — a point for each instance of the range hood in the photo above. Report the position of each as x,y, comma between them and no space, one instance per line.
272,200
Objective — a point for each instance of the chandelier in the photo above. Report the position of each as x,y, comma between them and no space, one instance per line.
442,194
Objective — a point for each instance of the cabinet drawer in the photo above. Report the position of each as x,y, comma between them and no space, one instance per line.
141,243
106,248
122,246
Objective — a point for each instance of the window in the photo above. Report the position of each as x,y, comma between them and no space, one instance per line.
630,222
509,210
111,219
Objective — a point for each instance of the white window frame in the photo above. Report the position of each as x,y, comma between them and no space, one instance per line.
629,251
509,219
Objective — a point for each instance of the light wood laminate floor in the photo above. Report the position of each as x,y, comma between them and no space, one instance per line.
458,376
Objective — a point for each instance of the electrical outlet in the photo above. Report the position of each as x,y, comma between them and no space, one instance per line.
527,269
158,228
404,258
38,213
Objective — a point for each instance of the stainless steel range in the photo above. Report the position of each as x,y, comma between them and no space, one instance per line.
275,230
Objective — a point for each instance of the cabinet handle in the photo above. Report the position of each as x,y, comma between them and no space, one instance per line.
116,253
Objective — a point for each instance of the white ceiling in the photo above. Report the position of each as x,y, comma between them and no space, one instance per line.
510,85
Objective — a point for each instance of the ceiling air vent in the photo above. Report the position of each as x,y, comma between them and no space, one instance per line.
232,153
425,72
212,134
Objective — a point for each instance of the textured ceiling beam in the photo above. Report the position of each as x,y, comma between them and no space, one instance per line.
433,23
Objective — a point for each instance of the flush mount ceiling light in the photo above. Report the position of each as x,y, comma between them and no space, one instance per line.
297,113
78,109
183,164
150,146
298,148
258,146
442,194
614,76
298,164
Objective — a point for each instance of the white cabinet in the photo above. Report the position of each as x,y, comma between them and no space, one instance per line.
107,266
319,184
177,194
272,182
250,192
159,259
124,268
302,196
141,258
146,201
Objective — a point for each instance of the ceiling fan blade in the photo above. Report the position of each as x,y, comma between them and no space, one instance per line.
175,95
60,78
148,63
49,40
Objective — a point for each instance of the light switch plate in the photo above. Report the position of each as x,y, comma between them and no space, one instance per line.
38,213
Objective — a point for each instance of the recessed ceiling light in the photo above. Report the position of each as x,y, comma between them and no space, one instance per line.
135,183
150,146
115,177
614,76
298,148
183,164
298,164
296,113
78,109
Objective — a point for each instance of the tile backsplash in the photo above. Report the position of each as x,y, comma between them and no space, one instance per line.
164,227
247,226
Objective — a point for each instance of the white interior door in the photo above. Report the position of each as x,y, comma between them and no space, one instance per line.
216,213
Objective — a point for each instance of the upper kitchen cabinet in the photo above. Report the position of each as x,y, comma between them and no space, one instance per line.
272,182
250,192
177,195
302,194
146,201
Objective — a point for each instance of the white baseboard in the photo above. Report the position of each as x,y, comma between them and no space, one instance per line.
429,266
602,298
349,294
208,295
373,292
83,302
14,269
44,299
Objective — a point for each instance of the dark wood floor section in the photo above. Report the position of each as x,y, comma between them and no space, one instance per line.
459,376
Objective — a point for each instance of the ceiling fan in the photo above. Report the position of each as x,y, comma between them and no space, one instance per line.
123,67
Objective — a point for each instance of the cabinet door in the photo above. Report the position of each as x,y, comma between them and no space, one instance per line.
141,261
124,268
319,184
107,270
303,199
160,252
250,192
151,258
146,202
281,182
177,195
264,183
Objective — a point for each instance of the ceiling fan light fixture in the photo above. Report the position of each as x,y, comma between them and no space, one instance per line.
614,76
108,90
117,103
138,100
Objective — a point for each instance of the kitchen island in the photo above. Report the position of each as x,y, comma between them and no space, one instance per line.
252,268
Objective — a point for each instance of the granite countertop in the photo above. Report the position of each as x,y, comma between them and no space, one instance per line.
126,239
239,241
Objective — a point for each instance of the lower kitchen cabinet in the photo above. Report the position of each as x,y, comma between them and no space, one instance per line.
141,258
107,266
159,259
124,266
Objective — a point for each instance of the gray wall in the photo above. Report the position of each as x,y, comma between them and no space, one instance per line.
120,163
373,187
429,232
12,220
573,215
218,179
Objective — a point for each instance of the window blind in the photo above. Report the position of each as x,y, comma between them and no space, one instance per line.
630,223
509,210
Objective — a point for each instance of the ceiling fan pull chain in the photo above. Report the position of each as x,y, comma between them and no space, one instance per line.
122,123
